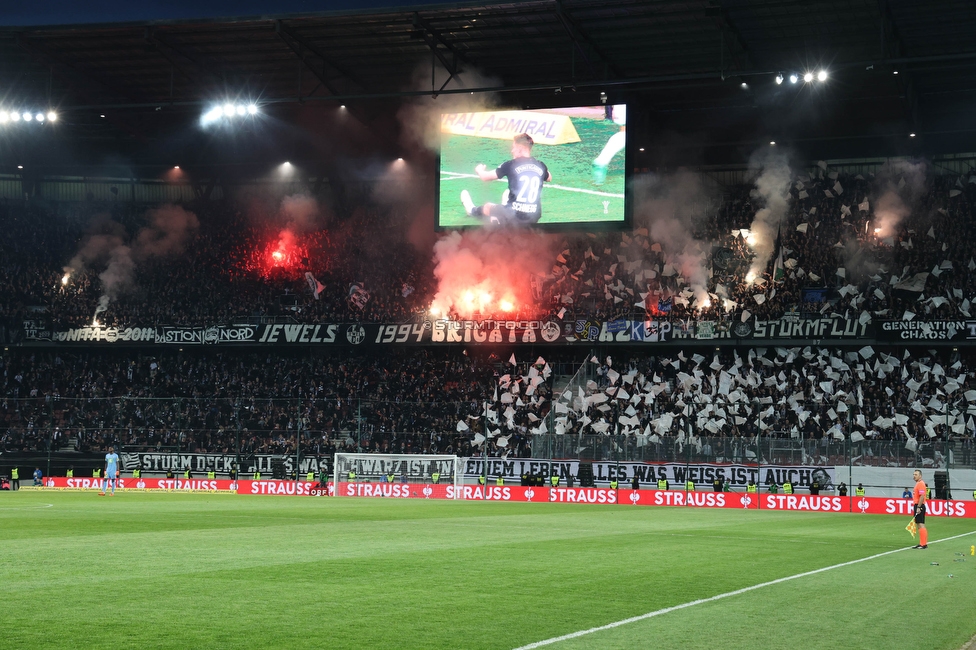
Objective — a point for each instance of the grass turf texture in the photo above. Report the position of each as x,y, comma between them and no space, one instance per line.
571,166
193,570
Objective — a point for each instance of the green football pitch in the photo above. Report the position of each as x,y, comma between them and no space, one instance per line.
213,571
571,197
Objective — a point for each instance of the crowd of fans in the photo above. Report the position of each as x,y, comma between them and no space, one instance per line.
222,272
844,248
842,255
891,246
809,405
213,402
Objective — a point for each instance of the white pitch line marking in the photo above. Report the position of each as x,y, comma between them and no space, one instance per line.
453,176
668,610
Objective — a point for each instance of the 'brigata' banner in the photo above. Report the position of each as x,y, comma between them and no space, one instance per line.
547,331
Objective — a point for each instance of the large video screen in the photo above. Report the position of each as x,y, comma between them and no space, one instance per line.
568,172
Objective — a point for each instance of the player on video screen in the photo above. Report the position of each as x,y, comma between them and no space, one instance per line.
522,201
616,143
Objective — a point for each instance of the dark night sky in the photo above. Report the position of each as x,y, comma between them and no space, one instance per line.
63,12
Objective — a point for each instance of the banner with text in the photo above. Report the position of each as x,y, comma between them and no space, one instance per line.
676,474
940,330
448,332
200,464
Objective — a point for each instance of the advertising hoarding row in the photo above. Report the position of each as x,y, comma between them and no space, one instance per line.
605,496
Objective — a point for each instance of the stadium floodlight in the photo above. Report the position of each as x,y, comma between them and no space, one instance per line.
772,143
52,116
911,135
894,72
779,79
808,77
14,116
241,109
4,116
27,116
214,114
794,78
252,109
822,75
39,117
229,110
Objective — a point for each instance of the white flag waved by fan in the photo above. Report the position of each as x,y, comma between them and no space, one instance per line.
313,284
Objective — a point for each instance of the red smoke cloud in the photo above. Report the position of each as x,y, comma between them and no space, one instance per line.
490,272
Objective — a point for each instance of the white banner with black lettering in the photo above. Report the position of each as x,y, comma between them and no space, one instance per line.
677,474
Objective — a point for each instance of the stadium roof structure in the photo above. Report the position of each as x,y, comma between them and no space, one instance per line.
701,72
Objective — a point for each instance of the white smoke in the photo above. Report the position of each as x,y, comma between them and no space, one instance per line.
167,232
671,207
420,120
900,184
772,186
